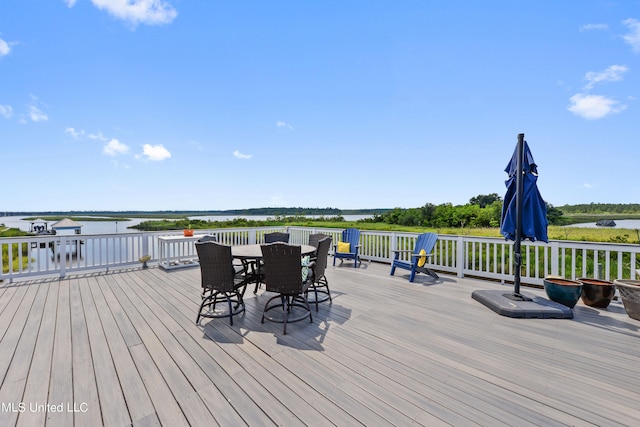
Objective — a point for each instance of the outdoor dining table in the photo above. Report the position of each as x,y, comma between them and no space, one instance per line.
253,254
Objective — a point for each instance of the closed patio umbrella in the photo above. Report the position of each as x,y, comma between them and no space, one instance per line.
524,213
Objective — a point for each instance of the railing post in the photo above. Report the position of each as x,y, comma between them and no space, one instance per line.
145,245
252,236
460,256
555,259
393,246
62,256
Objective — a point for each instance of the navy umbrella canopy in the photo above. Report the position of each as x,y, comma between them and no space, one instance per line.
534,209
524,213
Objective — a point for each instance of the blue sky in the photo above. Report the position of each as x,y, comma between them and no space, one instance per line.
194,104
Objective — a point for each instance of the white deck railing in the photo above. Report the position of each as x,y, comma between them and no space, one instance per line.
483,257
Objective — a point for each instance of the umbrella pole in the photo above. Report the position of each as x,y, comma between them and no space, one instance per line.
519,190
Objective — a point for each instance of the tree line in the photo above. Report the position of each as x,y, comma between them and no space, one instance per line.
601,208
483,210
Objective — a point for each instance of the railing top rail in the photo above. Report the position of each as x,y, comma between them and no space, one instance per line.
334,230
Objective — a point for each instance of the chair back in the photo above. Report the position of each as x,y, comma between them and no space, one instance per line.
216,266
314,239
321,262
426,241
282,268
276,237
351,235
208,238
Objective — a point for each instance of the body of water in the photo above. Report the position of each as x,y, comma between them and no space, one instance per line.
112,226
632,224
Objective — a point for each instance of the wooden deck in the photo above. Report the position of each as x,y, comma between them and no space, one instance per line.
122,348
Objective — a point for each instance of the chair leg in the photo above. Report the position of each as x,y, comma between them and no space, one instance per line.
285,309
199,313
326,285
412,275
239,292
205,300
287,303
393,270
257,276
321,283
315,292
212,299
308,308
230,310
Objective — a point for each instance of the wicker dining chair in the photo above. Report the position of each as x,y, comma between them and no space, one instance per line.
319,288
221,282
283,276
239,267
314,239
276,237
258,267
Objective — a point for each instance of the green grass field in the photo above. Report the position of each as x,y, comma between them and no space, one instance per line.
612,235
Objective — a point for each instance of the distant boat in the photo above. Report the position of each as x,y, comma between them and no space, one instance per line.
40,227
606,223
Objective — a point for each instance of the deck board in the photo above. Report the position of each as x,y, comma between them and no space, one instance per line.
23,333
112,402
84,383
60,381
36,390
385,352
135,394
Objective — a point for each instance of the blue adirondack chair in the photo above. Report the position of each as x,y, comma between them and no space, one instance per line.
351,236
417,263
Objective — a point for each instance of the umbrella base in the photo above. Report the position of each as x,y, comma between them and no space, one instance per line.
532,307
517,297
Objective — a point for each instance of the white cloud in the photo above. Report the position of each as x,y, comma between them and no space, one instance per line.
633,36
70,3
96,136
35,113
74,133
611,74
139,11
155,153
81,134
592,107
283,125
114,148
239,155
592,27
5,48
6,111
587,185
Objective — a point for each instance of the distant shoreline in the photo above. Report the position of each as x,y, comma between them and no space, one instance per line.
329,212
